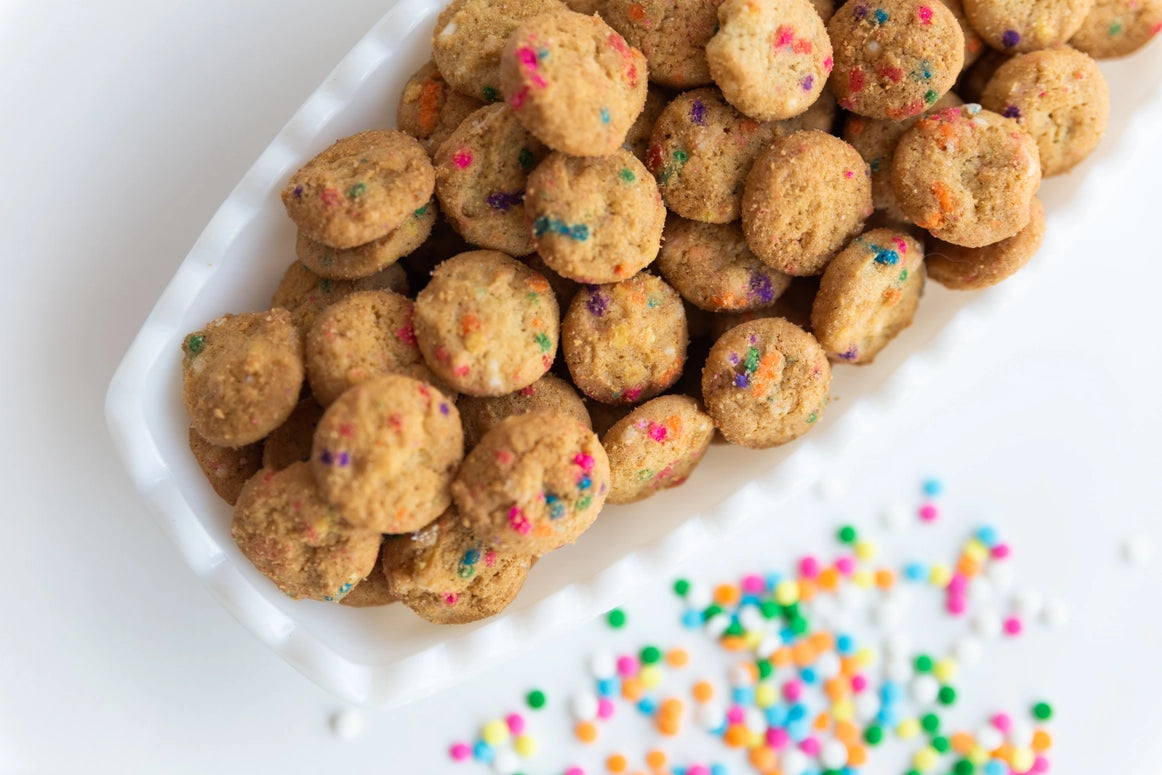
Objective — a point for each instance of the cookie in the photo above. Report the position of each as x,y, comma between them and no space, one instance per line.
297,539
656,446
429,109
241,376
625,342
533,484
966,175
672,34
974,47
487,324
805,197
1059,97
480,415
1117,28
637,139
970,269
448,576
226,468
1017,26
481,173
765,383
373,591
595,219
469,37
710,265
306,294
360,188
701,151
574,82
385,452
770,59
868,295
875,139
365,260
894,58
291,442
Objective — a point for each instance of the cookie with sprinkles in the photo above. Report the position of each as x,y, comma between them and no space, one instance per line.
481,173
711,266
479,415
970,269
894,58
360,189
533,484
765,383
966,175
656,446
1016,26
469,36
306,294
448,576
574,82
595,219
771,59
487,324
373,591
297,539
868,294
805,197
625,342
671,33
365,260
794,304
637,139
291,442
1060,97
1117,28
226,468
429,109
241,376
385,453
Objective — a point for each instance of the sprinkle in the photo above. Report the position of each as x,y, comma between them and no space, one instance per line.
462,159
490,93
880,16
460,752
357,190
925,14
195,343
605,115
1010,38
502,202
698,113
929,512
627,175
616,619
806,82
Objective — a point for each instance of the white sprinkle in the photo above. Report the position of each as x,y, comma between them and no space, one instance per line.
1028,603
987,624
980,590
1002,575
1138,550
506,762
711,715
751,618
833,756
699,596
968,651
828,665
1055,614
898,644
768,645
866,706
896,516
449,30
898,669
740,676
1021,733
824,608
794,762
887,614
989,737
716,625
602,665
584,706
925,689
873,48
347,724
756,721
850,597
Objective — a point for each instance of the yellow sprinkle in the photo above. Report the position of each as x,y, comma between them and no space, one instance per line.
863,578
650,676
978,756
865,550
1022,759
939,576
787,592
495,732
843,710
753,639
908,728
865,657
526,746
945,670
926,759
976,550
765,695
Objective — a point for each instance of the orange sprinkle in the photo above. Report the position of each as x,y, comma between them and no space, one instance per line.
669,726
656,759
943,196
829,579
804,653
734,643
847,733
962,742
769,369
737,736
1042,741
631,689
762,758
822,722
637,13
856,755
469,323
837,688
1005,753
726,594
807,590
751,670
824,641
678,658
703,691
671,707
781,657
885,578
429,104
849,666
586,732
616,763
968,566
538,283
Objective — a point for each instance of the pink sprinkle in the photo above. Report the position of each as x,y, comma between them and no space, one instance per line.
959,584
407,334
792,690
1001,551
698,769
516,723
461,371
632,394
809,567
858,683
1013,626
451,598
460,751
657,432
810,746
1040,764
777,738
925,14
462,158
828,64
956,605
845,565
753,585
849,174
1002,722
736,715
518,522
627,666
901,245
489,559
527,57
605,708
574,771
929,512
785,35
585,461
517,100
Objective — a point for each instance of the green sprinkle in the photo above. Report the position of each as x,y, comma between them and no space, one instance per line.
770,609
325,286
544,342
356,191
799,625
947,695
931,96
812,418
847,534
1043,711
711,611
627,175
490,94
903,275
964,767
931,723
790,611
681,587
940,744
650,655
1115,28
923,664
751,364
734,630
525,159
535,699
583,502
195,344
765,668
644,475
616,618
422,211
680,156
874,735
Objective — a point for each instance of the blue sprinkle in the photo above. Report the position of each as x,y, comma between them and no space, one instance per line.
880,15
679,770
888,717
891,693
787,635
777,714
916,572
719,769
773,579
995,768
849,771
749,599
808,675
580,232
720,730
798,712
741,381
692,619
887,256
743,695
988,536
845,645
605,115
810,772
799,730
482,752
585,483
933,487
647,705
609,687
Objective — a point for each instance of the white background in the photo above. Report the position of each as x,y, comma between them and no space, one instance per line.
124,124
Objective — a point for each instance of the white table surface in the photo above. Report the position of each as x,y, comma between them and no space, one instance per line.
123,126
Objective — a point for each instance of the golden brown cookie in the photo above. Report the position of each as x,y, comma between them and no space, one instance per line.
297,539
656,446
487,324
671,33
365,260
970,269
1117,28
291,442
429,109
533,484
479,415
385,452
306,294
226,468
372,591
241,376
1016,26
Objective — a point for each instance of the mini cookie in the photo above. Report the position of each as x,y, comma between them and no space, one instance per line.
805,197
481,173
868,294
966,175
625,342
487,324
448,576
712,267
429,109
875,139
360,188
1060,97
480,415
291,442
637,139
1016,26
656,446
372,591
226,468
573,82
1116,28
770,59
298,540
595,219
894,58
385,452
970,269
974,47
365,260
765,383
241,376
306,294
701,151
671,33
534,483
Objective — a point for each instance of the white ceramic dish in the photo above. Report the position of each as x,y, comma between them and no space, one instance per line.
389,656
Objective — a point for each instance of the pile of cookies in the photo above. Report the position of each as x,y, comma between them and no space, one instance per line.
699,205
